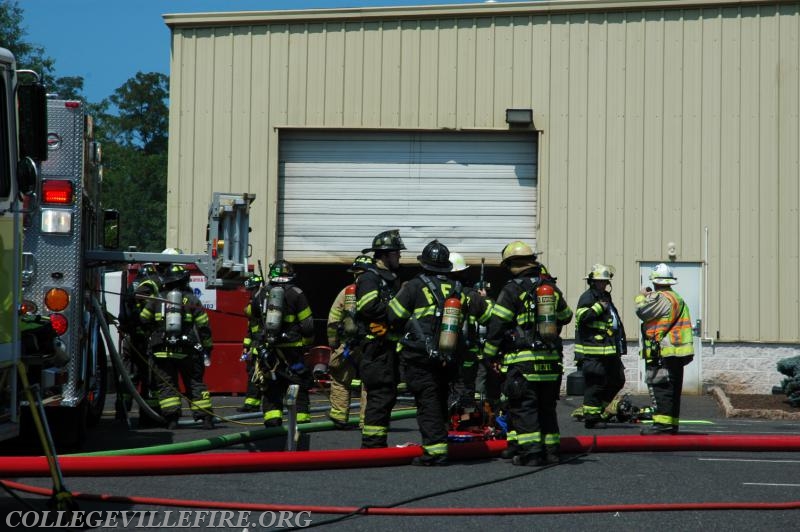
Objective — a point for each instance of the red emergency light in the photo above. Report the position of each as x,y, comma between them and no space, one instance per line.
72,104
57,191
59,323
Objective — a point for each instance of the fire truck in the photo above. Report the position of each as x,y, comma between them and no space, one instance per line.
70,244
22,147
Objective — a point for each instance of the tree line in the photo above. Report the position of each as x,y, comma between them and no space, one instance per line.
131,124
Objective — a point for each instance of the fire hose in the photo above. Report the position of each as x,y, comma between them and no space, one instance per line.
33,466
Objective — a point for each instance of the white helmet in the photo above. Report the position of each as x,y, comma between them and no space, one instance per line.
459,264
662,274
172,251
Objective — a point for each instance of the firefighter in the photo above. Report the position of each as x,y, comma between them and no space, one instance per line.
146,285
252,398
342,335
428,346
668,347
180,342
378,366
282,328
599,345
477,311
525,328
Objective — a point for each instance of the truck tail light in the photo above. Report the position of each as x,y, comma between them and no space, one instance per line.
57,192
59,323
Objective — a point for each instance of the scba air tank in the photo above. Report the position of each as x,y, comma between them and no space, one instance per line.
451,322
273,317
349,319
546,312
173,316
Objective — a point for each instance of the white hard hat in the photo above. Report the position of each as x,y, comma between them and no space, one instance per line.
459,264
662,274
601,272
172,251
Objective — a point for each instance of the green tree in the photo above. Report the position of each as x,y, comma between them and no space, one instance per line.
135,158
31,56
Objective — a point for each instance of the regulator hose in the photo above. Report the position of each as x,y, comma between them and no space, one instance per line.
34,466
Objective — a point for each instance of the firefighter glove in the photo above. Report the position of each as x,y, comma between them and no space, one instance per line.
378,329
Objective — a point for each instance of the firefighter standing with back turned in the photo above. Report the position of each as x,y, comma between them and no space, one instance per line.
281,328
429,306
599,345
525,326
252,397
135,347
181,344
378,367
342,339
477,311
668,347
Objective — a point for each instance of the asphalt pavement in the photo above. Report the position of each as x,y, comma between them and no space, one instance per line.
634,490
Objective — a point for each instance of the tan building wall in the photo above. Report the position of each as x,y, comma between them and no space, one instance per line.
660,122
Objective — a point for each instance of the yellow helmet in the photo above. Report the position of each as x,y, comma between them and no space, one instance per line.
518,250
601,272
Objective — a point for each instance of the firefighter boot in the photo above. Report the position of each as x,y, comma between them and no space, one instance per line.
426,460
208,422
551,455
172,421
659,428
594,422
510,451
528,457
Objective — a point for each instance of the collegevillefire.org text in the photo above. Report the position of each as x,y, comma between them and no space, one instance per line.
158,519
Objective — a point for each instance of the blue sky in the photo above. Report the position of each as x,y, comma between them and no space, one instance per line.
108,41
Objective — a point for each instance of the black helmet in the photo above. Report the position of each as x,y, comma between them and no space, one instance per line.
253,282
435,257
386,241
176,276
361,264
281,271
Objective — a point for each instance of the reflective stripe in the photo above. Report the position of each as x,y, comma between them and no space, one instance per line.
399,310
374,430
511,436
272,414
529,438
585,349
552,439
591,410
437,449
252,401
170,402
303,417
366,299
665,420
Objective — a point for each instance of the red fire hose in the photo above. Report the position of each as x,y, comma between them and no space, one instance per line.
33,466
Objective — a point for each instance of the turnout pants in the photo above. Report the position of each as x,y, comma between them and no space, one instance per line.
342,371
665,384
191,370
290,370
604,377
380,375
429,382
531,412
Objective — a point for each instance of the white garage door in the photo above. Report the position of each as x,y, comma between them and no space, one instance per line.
337,190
